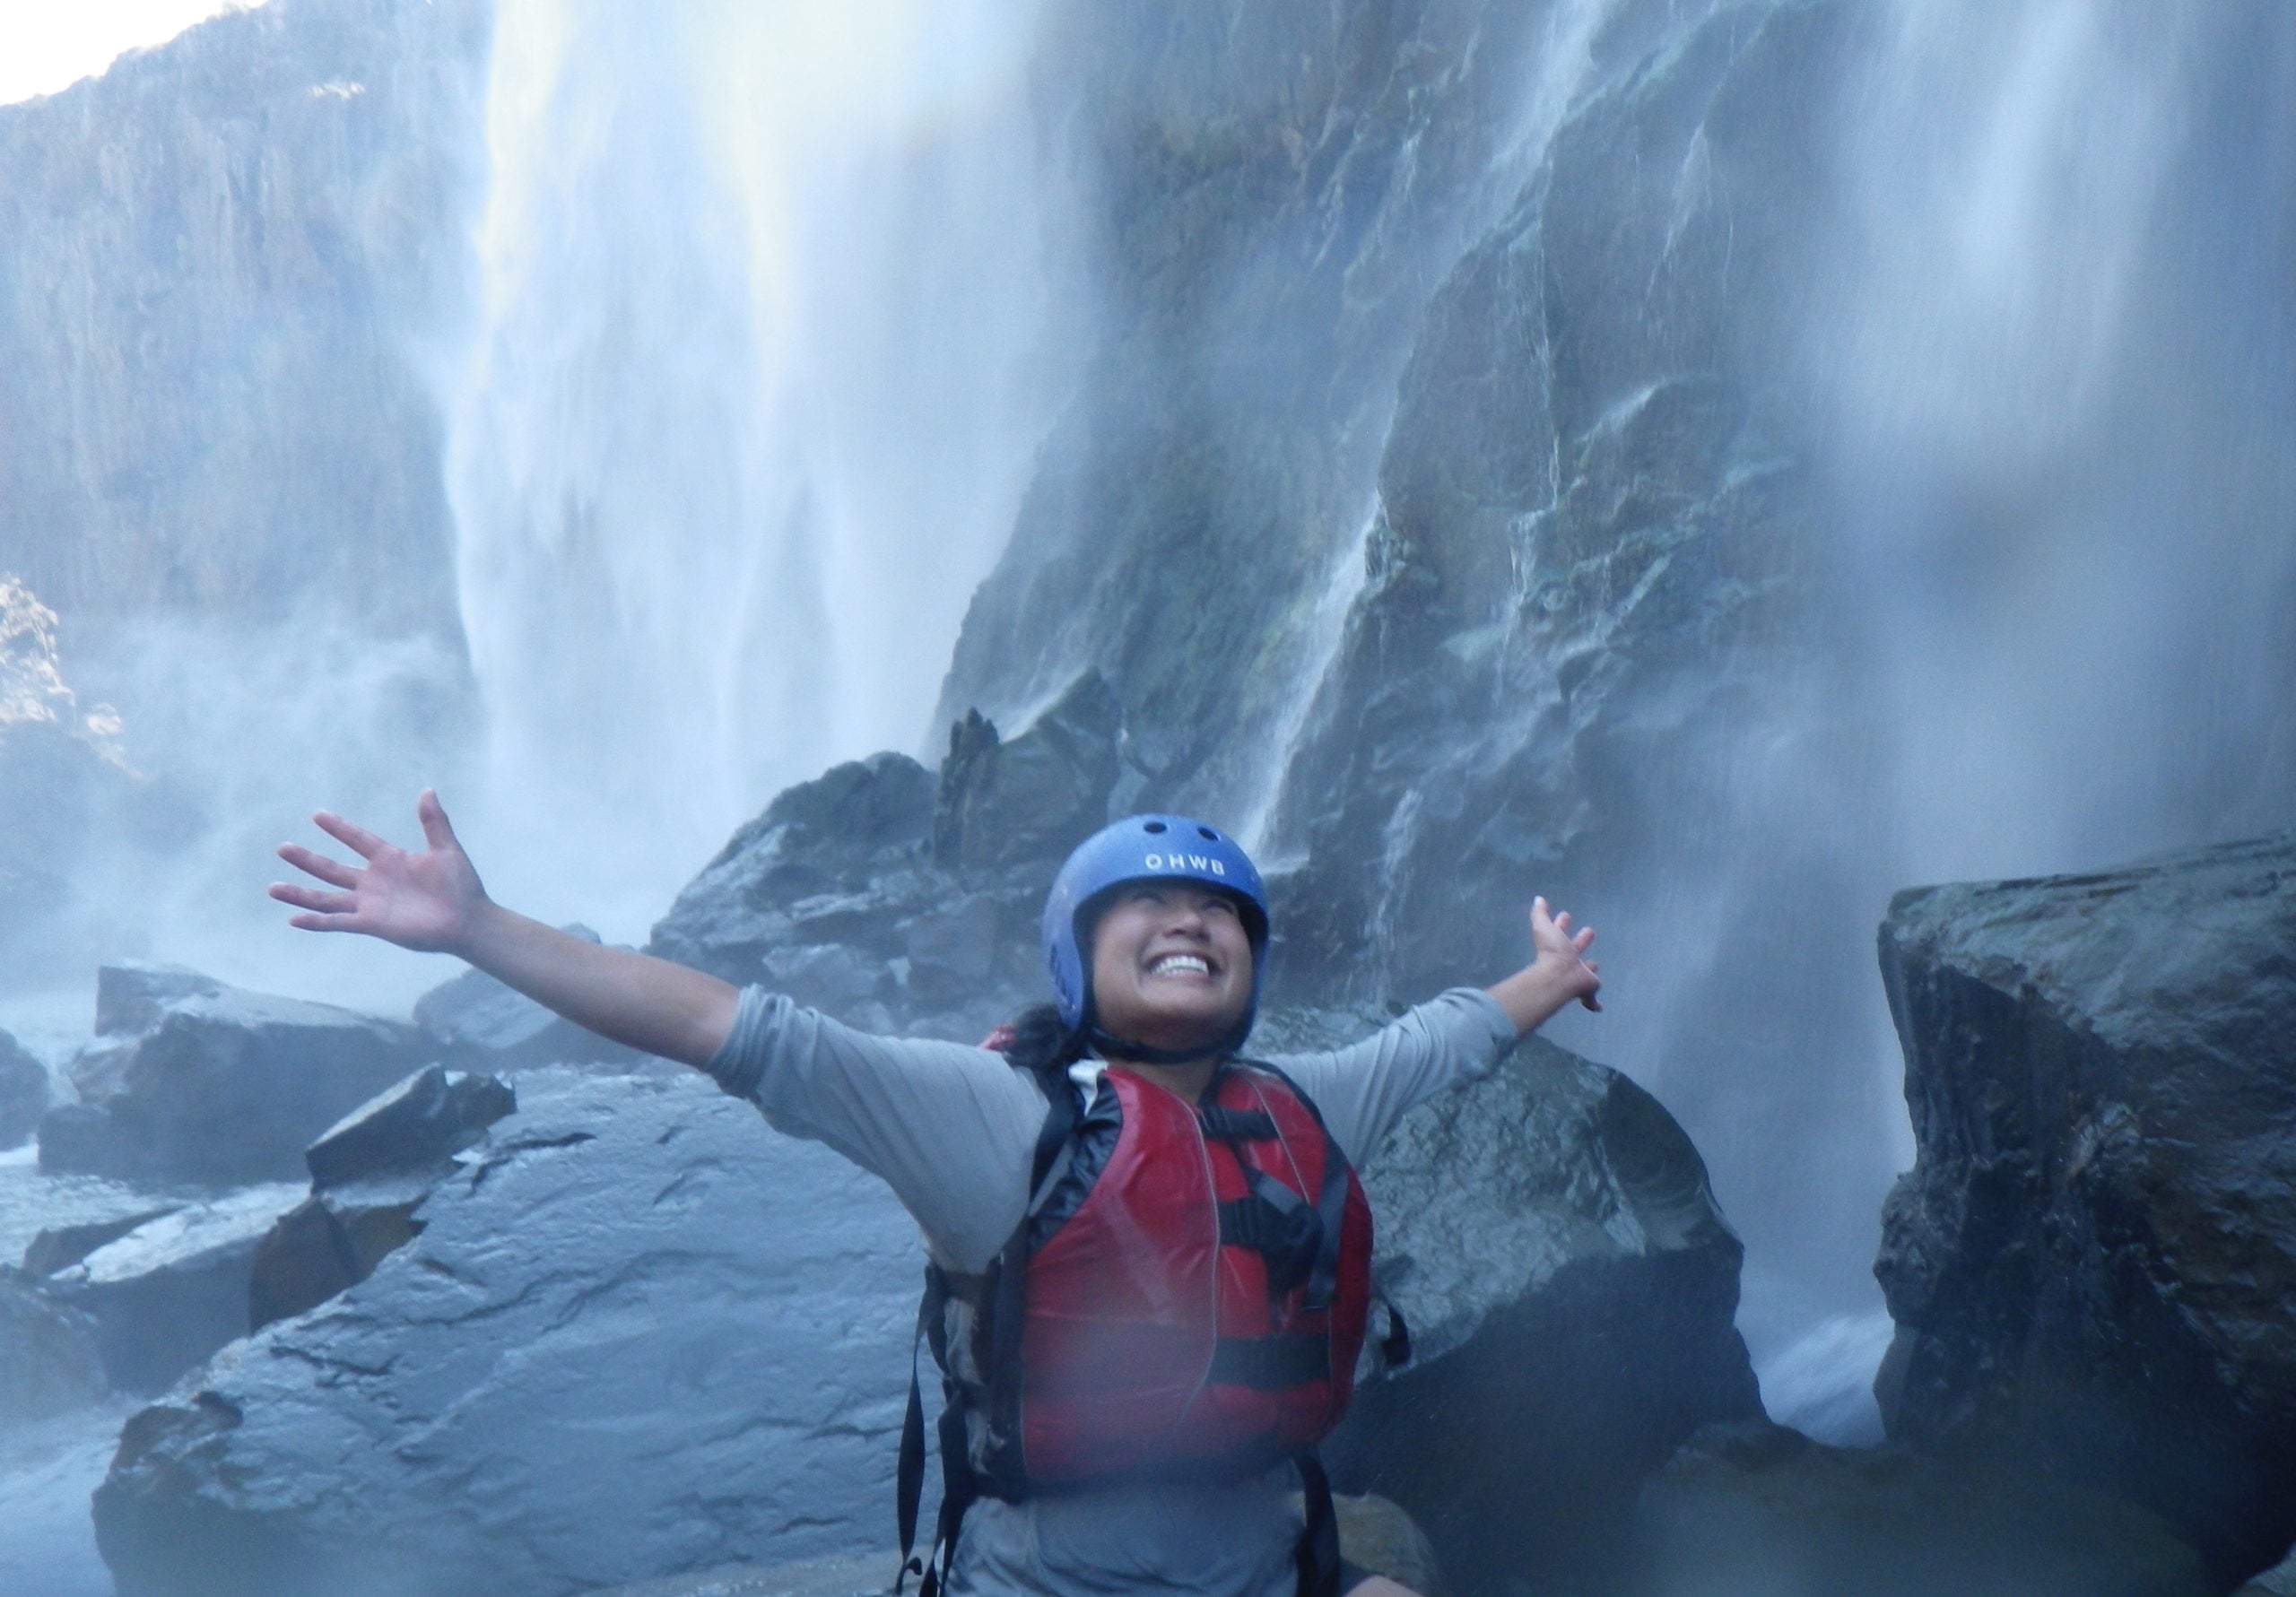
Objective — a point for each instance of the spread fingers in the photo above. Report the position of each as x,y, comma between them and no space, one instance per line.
331,872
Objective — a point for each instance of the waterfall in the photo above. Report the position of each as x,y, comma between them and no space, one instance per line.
770,325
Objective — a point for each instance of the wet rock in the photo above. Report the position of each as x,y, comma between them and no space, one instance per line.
131,995
897,900
2090,1261
482,1023
858,1575
48,1355
1570,1288
369,1176
174,1289
1760,1509
659,1336
222,1087
329,1242
24,1092
421,1124
60,1247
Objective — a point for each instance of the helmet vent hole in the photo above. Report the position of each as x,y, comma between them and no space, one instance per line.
1209,833
1154,826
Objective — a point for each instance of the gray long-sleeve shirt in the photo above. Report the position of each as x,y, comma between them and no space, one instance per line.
952,1129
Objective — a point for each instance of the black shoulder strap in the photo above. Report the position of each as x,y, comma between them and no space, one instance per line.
1318,1550
1005,1303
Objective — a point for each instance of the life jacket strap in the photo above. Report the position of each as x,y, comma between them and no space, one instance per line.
1318,1554
1271,1363
1222,1125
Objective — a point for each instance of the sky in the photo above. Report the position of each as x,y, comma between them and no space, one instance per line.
45,46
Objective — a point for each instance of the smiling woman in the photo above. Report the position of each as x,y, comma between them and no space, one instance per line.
45,49
1148,1255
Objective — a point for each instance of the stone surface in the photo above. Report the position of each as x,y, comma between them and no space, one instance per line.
224,1086
860,1576
48,1361
1570,1286
1760,1509
2090,1264
487,1025
173,1290
422,1122
24,1092
639,1332
224,253
134,994
897,900
58,1247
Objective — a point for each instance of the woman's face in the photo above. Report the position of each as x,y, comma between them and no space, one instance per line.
1171,965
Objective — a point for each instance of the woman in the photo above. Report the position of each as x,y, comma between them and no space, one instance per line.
1114,1429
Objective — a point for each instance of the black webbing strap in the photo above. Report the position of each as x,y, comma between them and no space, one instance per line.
1271,1363
1331,1203
1002,1297
1318,1550
1277,1224
908,1474
1235,1125
1395,1347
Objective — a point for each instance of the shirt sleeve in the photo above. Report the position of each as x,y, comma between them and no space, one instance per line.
1363,1089
950,1128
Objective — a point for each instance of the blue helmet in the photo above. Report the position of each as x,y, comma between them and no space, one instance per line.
1143,849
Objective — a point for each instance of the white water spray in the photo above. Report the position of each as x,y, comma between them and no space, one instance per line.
772,326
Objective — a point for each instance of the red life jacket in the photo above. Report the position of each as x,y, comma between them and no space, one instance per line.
1204,1297
1187,1292
1189,1289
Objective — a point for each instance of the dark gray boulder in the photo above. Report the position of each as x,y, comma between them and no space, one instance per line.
24,1092
166,1294
900,900
131,995
637,1333
1570,1288
221,1085
421,1123
2090,1261
370,1174
47,1355
60,1247
1761,1508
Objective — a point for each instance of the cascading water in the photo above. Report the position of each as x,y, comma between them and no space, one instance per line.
772,324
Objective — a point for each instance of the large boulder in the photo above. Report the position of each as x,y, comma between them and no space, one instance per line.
169,1292
637,1334
24,1092
48,1361
370,1174
199,1082
901,900
1570,1287
2090,1263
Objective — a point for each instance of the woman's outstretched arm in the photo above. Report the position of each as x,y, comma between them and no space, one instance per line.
1558,973
434,903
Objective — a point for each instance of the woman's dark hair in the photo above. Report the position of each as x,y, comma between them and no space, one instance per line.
1042,1046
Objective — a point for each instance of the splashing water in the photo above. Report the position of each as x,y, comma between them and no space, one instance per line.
771,325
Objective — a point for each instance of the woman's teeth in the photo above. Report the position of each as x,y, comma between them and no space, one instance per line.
1177,964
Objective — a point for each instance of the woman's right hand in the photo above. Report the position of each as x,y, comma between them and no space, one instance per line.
429,901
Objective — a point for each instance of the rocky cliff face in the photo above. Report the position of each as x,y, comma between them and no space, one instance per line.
221,257
2089,1265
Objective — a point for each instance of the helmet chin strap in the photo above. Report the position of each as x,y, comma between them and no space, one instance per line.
1108,1044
